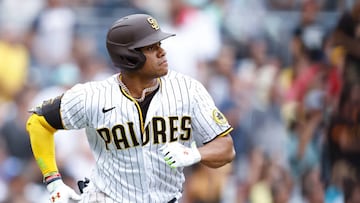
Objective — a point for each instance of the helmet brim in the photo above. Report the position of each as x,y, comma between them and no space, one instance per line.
151,39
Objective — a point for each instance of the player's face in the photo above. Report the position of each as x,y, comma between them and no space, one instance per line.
156,64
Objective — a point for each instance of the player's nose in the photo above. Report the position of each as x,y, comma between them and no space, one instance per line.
161,52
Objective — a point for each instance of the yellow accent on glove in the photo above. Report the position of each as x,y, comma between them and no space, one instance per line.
178,155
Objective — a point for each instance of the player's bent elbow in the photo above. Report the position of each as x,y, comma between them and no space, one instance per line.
38,125
31,123
230,155
226,159
225,154
230,150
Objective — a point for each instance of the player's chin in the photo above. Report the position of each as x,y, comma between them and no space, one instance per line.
163,72
163,68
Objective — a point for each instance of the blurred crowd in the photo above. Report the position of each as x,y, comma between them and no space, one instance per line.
286,73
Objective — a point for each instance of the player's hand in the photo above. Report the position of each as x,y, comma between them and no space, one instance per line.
61,193
178,155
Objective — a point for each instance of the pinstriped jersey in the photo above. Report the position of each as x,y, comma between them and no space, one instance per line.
129,166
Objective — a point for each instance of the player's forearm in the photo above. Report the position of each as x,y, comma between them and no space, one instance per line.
218,152
42,143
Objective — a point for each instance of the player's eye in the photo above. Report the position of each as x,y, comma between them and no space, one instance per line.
153,47
150,48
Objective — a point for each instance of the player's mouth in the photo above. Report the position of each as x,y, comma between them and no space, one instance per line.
164,62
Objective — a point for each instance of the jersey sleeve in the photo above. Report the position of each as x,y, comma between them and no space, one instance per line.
209,122
73,107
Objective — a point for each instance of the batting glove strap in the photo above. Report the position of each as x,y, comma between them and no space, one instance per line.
178,155
61,193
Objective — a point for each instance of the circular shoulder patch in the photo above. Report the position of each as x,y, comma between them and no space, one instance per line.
218,117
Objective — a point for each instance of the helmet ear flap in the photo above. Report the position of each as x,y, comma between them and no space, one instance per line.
122,57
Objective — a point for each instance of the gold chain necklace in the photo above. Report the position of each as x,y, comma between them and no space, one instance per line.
146,90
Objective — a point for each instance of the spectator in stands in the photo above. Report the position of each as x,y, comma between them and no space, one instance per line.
343,131
309,30
352,191
309,34
312,188
13,131
19,13
14,61
192,26
347,36
259,96
335,189
273,185
52,35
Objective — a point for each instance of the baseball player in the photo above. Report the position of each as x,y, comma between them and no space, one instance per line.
144,124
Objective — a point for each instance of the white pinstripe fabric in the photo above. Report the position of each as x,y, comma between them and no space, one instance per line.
131,172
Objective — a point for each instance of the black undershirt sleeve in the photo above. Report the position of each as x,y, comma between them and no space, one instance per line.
50,109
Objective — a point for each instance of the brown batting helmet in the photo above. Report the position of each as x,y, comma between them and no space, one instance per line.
130,33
